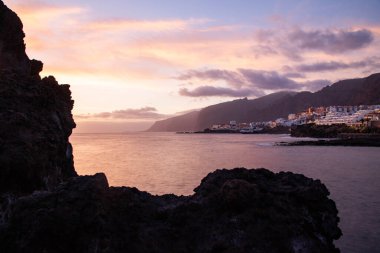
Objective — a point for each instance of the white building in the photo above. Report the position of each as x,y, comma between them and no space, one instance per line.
348,118
292,116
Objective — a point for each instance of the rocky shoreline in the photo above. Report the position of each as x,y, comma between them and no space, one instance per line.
267,130
330,131
334,135
46,207
235,210
363,142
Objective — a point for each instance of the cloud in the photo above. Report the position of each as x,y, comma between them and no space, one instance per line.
294,75
71,40
252,83
232,78
211,91
110,126
143,114
119,25
332,42
43,9
294,43
270,80
75,44
372,63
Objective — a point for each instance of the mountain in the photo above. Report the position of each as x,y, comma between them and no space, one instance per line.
184,122
346,92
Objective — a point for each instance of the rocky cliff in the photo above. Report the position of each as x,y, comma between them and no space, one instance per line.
35,117
46,207
12,46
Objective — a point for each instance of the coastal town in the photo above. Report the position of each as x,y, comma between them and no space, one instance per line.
352,116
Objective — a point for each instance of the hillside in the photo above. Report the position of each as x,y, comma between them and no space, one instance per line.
346,92
184,122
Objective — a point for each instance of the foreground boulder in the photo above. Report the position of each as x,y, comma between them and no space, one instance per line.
235,210
35,116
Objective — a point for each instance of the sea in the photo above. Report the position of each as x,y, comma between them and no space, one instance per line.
162,163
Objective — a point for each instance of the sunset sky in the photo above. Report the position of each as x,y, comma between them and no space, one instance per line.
130,63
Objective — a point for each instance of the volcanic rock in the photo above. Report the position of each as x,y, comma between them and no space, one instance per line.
12,46
235,210
35,116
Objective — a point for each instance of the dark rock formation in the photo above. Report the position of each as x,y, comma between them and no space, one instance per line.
235,210
357,142
320,131
35,117
327,131
45,207
12,46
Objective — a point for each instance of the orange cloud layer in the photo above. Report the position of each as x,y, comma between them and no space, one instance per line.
69,40
120,25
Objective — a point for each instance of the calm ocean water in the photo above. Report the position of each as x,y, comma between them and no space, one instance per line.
175,163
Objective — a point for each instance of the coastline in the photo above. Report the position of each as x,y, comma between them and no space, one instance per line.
276,130
354,140
344,139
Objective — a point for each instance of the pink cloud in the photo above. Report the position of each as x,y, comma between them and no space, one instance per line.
71,41
120,25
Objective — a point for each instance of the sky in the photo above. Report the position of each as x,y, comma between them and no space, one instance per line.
130,63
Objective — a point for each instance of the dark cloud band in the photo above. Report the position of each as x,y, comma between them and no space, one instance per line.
211,91
372,63
145,113
294,43
250,83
